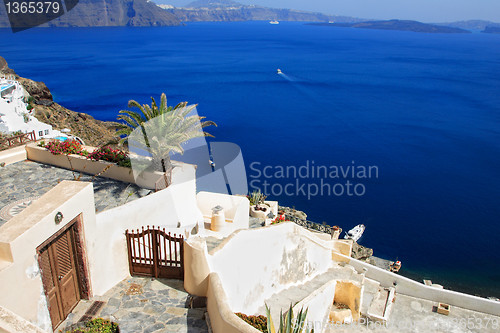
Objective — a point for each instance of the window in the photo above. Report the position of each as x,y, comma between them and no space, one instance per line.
46,132
40,133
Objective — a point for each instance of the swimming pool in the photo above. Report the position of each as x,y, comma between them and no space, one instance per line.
61,138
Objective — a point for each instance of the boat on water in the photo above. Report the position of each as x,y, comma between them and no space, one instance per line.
274,22
395,266
279,71
355,233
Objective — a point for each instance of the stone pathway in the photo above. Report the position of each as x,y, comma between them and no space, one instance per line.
22,181
145,305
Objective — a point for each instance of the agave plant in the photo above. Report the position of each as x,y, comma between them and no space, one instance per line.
287,323
257,198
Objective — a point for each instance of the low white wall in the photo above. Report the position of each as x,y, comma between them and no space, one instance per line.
13,155
281,256
21,288
222,317
235,207
410,287
318,306
12,323
165,208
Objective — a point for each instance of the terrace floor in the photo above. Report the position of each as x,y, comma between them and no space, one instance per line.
23,182
417,315
145,305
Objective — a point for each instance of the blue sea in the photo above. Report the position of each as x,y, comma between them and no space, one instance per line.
420,111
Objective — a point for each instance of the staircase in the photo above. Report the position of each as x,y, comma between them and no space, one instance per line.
281,301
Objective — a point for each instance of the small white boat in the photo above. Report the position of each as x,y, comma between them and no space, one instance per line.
279,71
274,22
355,233
212,163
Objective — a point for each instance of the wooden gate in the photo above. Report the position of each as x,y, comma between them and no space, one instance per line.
59,274
153,252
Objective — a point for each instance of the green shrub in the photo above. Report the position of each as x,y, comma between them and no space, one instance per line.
125,163
97,325
259,322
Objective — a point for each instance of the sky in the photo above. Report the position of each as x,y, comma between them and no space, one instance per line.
429,11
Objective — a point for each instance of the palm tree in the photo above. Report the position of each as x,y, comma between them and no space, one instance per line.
164,131
132,119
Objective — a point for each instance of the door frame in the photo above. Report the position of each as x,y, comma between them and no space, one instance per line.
79,250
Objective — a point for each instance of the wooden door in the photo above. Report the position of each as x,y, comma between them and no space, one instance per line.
60,278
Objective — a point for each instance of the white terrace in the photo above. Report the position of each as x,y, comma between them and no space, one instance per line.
279,264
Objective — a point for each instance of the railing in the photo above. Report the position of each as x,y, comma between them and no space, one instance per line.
312,225
17,140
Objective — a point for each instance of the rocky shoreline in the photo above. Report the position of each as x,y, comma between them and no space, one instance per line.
359,252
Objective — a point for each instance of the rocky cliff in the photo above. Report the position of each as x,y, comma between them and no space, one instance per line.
253,13
94,132
99,13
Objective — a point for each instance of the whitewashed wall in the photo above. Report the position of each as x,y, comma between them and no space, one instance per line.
281,256
236,208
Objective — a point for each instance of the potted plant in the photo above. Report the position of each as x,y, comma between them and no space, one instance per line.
258,208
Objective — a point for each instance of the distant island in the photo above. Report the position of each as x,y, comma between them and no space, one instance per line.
470,24
401,25
491,30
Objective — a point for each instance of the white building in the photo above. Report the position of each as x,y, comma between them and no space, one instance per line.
14,113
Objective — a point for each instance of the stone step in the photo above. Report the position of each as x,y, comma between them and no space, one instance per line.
212,242
377,307
370,289
281,301
381,306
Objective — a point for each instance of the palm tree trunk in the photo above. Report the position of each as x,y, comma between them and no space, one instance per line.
167,168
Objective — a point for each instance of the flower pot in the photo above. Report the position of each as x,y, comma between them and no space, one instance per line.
260,212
